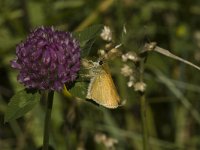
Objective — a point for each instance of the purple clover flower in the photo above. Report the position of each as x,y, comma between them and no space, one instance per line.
47,59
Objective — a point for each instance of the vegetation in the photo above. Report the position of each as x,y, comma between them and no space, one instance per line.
170,118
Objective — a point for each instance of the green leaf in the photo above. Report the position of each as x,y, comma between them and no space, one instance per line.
21,103
88,33
87,38
86,49
79,89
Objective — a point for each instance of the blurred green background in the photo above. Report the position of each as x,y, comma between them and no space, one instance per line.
173,89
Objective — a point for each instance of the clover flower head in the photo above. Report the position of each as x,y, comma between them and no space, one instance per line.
47,59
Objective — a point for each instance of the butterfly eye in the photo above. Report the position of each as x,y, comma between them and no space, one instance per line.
100,62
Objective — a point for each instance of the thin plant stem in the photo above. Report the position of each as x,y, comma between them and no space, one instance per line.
144,121
49,104
168,54
152,47
143,105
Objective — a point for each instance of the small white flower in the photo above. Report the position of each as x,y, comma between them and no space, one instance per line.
106,34
108,142
124,58
126,71
140,86
130,83
101,52
130,56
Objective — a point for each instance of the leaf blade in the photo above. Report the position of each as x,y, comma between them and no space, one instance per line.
20,104
87,38
79,90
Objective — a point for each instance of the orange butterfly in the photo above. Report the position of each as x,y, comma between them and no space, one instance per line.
102,88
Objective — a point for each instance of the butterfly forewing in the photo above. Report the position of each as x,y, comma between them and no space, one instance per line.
103,91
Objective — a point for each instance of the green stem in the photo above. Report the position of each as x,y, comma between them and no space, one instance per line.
49,104
144,122
143,106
